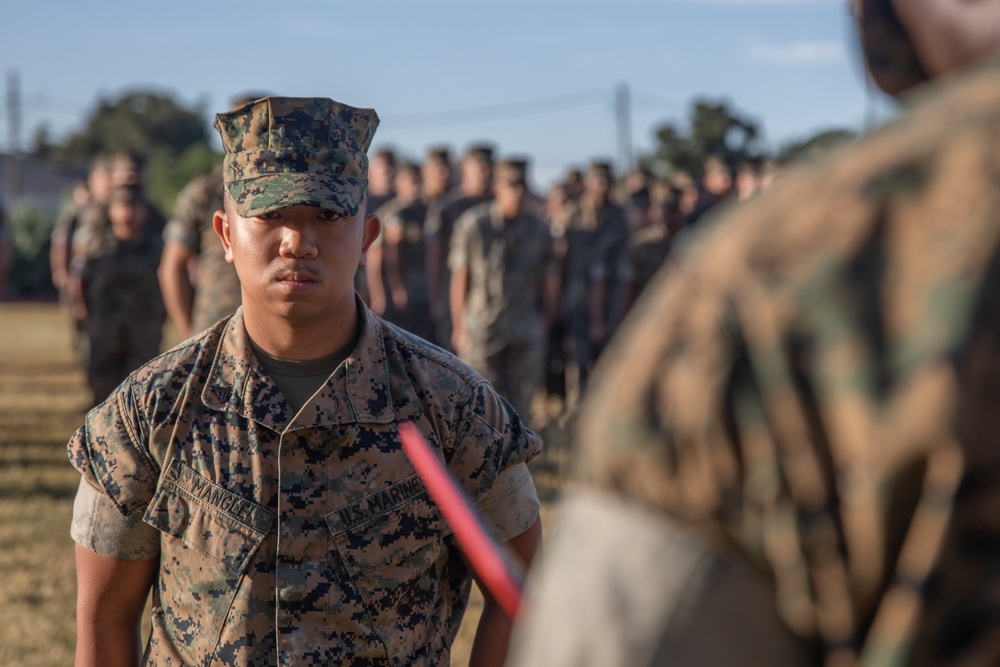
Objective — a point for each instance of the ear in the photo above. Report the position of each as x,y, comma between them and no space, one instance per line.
373,226
220,221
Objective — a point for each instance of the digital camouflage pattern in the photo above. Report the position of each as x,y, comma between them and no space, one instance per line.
814,383
125,311
217,290
591,234
282,151
299,539
508,263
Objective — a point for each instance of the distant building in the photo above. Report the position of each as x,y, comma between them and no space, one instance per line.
26,180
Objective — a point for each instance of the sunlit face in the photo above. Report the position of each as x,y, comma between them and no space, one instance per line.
298,262
407,185
597,187
99,182
509,196
436,177
476,176
380,175
126,219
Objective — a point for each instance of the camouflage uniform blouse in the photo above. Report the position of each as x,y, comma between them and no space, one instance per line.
508,262
297,539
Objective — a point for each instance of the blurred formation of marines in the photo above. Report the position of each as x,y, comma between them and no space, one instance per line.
789,456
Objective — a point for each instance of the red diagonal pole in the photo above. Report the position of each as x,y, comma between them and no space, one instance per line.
485,556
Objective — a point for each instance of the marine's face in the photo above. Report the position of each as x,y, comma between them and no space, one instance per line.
476,175
297,262
435,178
126,219
509,196
597,187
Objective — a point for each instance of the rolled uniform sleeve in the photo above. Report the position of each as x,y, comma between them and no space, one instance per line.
99,526
119,480
512,505
492,456
182,231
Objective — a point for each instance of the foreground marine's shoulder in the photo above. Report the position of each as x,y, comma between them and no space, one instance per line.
427,365
177,369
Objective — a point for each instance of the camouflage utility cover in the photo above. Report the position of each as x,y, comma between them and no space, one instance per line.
300,539
814,383
286,151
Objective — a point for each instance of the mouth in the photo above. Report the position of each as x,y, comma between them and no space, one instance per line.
297,280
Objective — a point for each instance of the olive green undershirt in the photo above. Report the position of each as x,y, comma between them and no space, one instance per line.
299,380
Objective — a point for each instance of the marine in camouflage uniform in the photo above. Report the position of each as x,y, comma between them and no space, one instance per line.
124,312
190,236
504,284
790,455
93,234
645,252
595,233
442,215
279,531
405,256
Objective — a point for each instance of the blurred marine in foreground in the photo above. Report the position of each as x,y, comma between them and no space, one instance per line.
789,456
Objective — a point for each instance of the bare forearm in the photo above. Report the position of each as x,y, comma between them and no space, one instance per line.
111,595
456,300
107,644
178,297
489,649
175,285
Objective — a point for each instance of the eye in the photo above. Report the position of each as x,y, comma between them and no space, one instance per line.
327,214
273,215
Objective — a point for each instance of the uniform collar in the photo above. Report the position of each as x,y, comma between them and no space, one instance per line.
356,392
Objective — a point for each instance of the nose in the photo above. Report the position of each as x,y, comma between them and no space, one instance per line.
298,241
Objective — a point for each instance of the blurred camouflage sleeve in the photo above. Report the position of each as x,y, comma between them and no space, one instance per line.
492,450
184,227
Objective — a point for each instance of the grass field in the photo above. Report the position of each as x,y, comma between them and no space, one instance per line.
42,401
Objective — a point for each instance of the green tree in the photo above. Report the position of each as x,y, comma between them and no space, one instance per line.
30,228
173,137
142,121
714,128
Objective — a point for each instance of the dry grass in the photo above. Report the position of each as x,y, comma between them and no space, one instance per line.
42,401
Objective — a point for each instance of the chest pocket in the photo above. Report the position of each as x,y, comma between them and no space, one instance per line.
210,535
392,545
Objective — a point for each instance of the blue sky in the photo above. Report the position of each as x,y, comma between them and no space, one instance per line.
536,78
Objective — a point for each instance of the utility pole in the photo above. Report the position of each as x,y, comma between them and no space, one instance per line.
623,114
14,180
